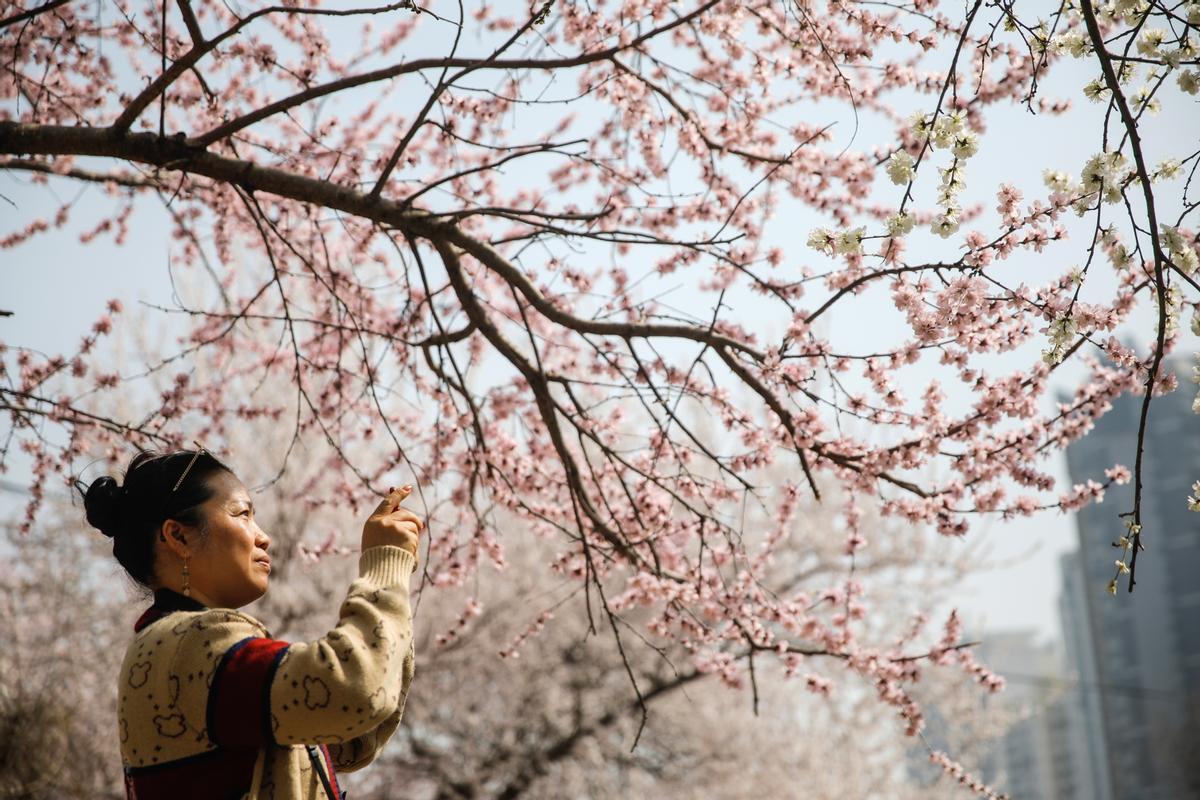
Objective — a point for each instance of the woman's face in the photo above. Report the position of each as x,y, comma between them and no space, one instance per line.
230,568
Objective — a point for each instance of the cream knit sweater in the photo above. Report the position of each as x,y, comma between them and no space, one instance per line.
210,706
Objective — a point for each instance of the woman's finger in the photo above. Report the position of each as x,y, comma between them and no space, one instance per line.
408,516
392,500
408,527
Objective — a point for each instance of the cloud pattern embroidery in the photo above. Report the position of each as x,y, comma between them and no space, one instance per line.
172,725
316,693
139,673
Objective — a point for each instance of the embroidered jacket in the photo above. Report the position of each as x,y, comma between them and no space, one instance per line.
210,706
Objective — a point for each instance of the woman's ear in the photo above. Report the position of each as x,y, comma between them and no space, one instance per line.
172,534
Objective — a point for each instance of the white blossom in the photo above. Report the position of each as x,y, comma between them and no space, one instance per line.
1150,40
1186,260
1196,379
946,223
1056,181
1144,100
947,127
1170,238
1120,256
1095,90
951,184
1072,43
900,223
821,240
1130,10
1178,248
1062,331
1171,311
849,241
965,145
1105,171
1189,81
919,125
900,167
1167,169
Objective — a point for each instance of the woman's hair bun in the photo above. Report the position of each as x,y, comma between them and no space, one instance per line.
104,504
155,486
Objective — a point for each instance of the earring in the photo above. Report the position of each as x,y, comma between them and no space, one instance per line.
186,591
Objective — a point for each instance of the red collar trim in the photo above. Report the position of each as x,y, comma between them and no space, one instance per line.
166,601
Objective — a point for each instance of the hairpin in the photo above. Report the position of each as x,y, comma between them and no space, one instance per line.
190,463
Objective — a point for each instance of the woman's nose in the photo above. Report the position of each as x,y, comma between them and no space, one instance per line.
262,540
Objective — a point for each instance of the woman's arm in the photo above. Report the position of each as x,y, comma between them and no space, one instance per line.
362,750
248,690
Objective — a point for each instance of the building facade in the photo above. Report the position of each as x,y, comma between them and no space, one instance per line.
1137,655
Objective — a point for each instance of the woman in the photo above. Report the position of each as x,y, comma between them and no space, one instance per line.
210,706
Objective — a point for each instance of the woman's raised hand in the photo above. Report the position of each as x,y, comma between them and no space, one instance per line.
392,524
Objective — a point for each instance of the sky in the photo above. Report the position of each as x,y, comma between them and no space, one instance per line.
57,286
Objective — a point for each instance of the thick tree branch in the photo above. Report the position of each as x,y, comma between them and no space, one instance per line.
420,65
1135,142
31,13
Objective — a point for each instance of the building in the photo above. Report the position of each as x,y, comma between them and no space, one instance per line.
1023,762
1084,720
1137,656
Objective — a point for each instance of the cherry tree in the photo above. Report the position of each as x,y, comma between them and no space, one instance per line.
64,635
552,716
544,260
